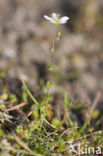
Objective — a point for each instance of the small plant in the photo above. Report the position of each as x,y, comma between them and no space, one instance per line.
55,19
38,132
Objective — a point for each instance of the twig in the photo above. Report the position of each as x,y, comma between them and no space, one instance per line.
6,115
68,130
15,107
52,133
47,121
21,143
97,132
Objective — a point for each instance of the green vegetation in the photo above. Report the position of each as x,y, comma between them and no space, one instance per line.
39,132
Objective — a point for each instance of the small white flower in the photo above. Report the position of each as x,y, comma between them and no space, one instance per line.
56,20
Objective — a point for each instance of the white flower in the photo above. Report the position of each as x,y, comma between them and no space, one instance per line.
56,20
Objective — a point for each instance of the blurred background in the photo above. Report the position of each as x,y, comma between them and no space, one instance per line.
26,38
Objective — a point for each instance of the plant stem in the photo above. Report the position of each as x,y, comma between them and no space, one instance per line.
52,57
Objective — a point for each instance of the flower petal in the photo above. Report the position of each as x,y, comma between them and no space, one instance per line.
63,20
54,15
47,17
53,21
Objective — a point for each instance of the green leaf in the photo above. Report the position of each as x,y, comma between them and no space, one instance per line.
66,103
30,94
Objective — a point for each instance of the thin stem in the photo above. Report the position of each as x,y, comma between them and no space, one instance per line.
50,71
51,66
52,56
47,121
